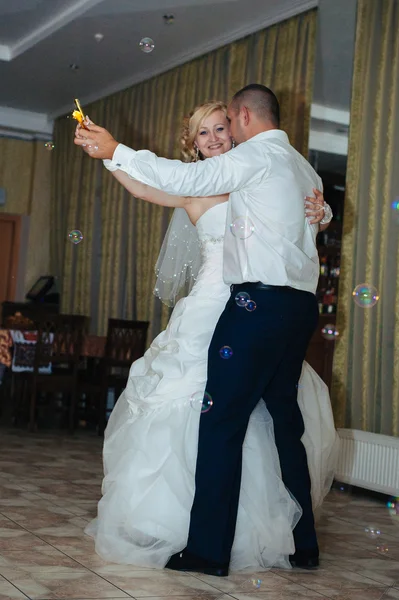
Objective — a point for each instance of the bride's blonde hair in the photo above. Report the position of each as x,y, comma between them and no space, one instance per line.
192,124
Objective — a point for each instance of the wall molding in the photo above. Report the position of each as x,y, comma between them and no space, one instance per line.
332,143
53,24
23,123
326,113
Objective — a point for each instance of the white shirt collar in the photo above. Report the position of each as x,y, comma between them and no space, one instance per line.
271,133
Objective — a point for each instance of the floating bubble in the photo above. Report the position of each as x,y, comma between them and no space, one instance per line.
201,402
242,228
225,352
372,532
250,306
365,295
146,45
395,206
256,583
242,298
75,236
329,332
49,146
382,549
99,37
393,506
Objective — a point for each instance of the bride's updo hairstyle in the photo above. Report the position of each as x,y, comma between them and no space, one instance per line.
192,124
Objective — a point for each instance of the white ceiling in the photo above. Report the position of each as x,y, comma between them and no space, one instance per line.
40,39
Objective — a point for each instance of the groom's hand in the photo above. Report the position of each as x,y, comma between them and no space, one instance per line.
96,141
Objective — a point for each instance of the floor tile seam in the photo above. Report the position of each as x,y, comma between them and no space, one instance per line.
214,586
83,572
70,514
25,529
379,584
374,556
49,544
16,587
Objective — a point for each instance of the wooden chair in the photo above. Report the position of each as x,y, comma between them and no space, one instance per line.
10,390
126,341
59,343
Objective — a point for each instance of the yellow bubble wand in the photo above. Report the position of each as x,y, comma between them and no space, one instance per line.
78,114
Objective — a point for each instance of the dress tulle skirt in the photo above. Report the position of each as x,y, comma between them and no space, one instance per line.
151,446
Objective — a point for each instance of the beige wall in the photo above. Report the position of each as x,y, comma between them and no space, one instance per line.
25,174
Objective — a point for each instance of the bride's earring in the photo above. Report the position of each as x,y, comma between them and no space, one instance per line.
196,153
233,143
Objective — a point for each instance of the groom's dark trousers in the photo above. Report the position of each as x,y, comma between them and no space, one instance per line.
269,345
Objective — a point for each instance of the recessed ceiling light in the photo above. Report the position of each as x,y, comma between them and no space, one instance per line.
98,37
168,19
74,66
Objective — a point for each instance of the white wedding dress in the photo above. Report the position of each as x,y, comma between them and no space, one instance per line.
151,439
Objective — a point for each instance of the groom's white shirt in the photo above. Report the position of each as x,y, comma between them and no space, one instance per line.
267,180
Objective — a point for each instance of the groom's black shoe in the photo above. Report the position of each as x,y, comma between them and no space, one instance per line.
185,561
305,559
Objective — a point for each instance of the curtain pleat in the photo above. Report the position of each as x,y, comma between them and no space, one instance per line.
366,361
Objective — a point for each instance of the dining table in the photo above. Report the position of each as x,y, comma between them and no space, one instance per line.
93,345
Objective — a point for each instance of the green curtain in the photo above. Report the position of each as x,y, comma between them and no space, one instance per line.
111,272
366,361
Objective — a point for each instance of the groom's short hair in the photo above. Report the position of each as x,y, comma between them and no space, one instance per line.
260,100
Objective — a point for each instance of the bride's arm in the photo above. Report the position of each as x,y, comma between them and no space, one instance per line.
148,193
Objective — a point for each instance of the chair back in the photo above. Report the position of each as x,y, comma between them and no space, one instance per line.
126,341
19,322
60,339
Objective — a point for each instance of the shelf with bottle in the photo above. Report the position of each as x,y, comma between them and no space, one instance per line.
327,289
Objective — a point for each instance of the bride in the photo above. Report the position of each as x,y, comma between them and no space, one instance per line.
150,444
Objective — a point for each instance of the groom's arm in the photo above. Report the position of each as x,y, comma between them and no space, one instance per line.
213,176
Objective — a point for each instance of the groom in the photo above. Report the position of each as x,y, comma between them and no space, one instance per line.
270,255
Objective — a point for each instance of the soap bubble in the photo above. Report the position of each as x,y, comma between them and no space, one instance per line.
329,332
146,45
75,236
393,506
365,295
201,402
226,352
256,583
250,306
372,532
382,549
242,298
49,146
242,228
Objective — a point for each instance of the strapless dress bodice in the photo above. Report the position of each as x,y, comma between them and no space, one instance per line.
211,227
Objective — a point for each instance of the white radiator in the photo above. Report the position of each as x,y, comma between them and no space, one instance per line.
369,460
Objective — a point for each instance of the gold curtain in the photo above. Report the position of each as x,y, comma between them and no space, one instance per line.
25,168
366,363
111,272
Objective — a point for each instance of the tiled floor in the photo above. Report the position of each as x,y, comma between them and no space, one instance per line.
49,487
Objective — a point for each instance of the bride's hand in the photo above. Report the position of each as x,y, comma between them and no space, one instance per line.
314,207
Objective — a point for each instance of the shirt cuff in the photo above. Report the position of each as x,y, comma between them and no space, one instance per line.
110,165
121,157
